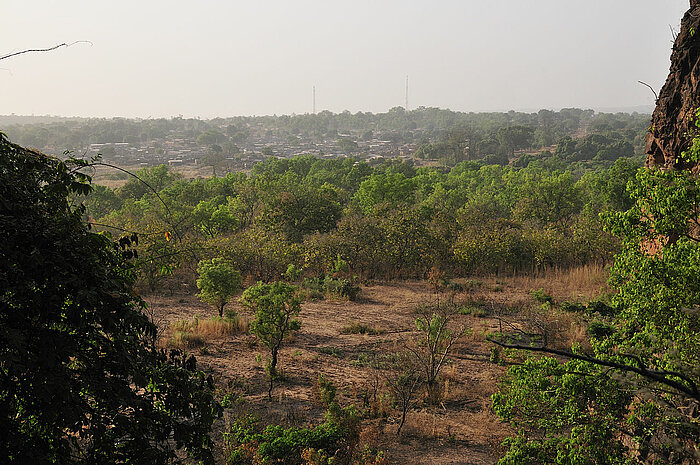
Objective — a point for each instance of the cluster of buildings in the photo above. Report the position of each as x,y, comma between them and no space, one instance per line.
179,151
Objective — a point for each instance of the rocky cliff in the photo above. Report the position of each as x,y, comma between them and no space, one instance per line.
673,123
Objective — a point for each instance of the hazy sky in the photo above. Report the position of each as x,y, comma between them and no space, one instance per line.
211,58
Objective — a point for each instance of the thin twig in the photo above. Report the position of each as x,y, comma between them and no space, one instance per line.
31,50
674,34
155,192
131,231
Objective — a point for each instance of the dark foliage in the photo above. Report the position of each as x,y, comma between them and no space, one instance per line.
81,380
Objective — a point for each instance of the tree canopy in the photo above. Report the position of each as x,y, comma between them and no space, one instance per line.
217,282
630,398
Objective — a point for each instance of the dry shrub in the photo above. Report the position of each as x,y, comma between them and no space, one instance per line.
375,400
560,329
186,340
483,389
572,331
369,435
479,329
483,426
424,425
368,447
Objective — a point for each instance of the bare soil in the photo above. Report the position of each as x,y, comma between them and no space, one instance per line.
462,429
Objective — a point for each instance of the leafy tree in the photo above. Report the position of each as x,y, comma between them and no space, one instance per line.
215,216
217,282
610,185
276,305
299,209
406,241
81,378
550,199
653,344
160,249
515,137
561,416
148,180
214,156
101,201
381,188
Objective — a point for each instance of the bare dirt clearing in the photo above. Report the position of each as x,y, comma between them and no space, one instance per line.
461,429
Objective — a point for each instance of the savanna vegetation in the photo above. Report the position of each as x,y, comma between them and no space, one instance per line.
387,221
608,375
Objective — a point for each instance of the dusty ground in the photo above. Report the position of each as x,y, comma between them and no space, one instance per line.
460,430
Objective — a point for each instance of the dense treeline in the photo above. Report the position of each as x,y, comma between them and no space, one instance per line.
388,221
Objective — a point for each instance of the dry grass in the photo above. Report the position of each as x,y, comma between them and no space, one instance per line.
583,282
196,332
360,328
570,330
461,429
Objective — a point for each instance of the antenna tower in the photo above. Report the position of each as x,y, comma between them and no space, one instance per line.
314,100
406,107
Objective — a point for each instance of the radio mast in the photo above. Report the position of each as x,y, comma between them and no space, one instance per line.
406,107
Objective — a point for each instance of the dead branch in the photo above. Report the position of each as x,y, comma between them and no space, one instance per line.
33,50
674,34
656,96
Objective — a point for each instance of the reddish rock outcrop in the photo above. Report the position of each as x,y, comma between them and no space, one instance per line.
673,121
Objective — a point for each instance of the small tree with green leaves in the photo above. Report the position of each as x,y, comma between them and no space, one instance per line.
276,305
217,282
433,345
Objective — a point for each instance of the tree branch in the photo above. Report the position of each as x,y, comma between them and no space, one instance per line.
660,376
651,88
33,50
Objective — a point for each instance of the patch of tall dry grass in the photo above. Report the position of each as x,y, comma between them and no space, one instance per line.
578,283
196,332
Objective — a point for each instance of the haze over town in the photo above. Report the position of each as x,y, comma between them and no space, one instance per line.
212,58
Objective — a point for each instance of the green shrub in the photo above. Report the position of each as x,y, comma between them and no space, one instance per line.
495,356
326,390
293,273
573,307
472,310
343,288
600,330
230,314
471,285
364,359
328,286
542,297
600,307
249,442
360,328
334,351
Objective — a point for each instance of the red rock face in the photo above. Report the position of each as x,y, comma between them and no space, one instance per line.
673,123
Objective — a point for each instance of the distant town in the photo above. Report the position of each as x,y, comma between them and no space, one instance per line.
425,135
